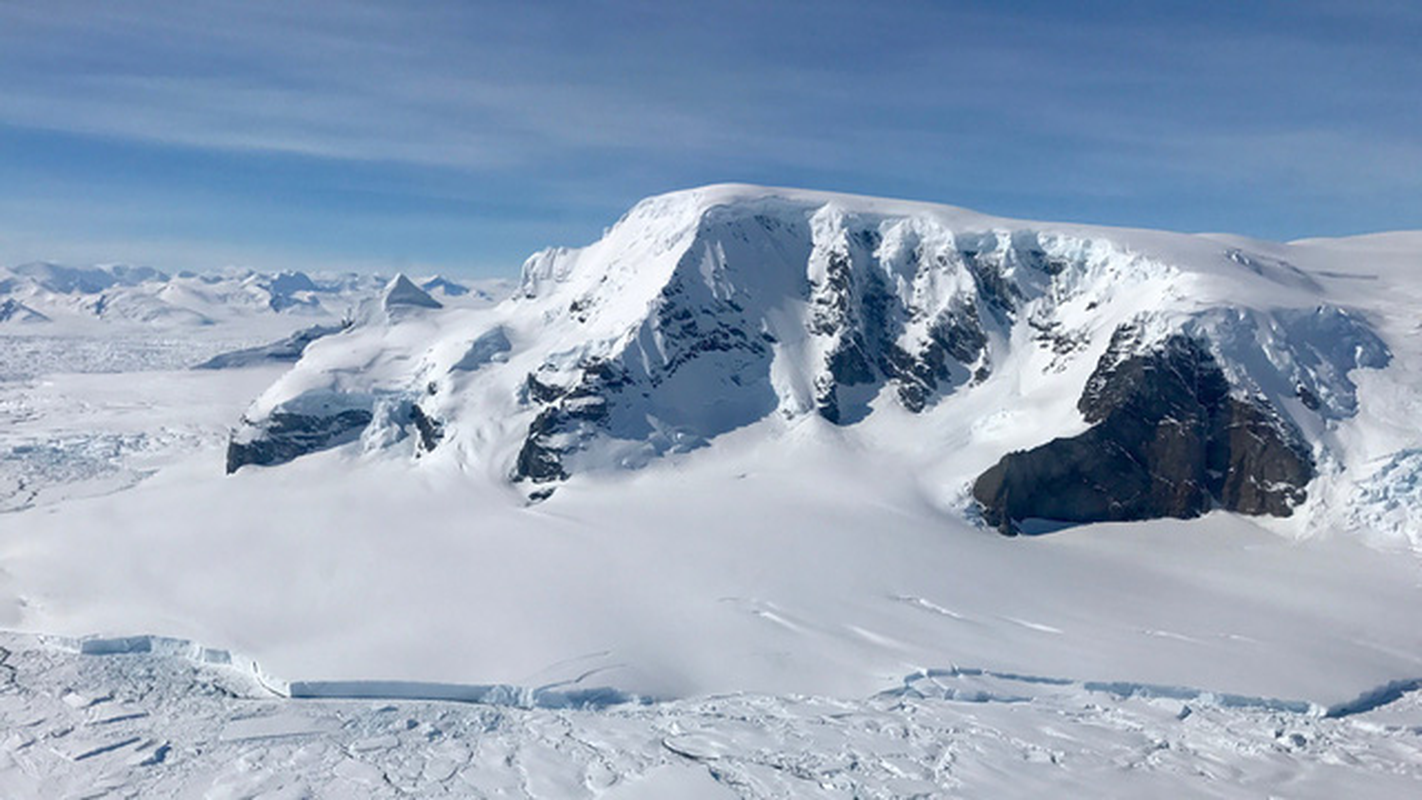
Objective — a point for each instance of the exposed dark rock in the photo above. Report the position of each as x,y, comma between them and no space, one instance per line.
285,436
959,334
600,376
994,287
539,460
865,321
12,309
539,391
830,300
570,415
1258,463
430,429
956,338
690,333
1168,440
833,315
848,364
1050,334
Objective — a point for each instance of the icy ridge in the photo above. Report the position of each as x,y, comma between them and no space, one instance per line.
975,685
554,696
173,648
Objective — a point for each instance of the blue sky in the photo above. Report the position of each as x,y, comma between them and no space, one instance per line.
460,136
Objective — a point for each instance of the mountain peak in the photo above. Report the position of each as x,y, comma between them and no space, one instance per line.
439,283
13,310
401,291
725,307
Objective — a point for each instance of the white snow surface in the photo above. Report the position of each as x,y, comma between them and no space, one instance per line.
724,561
164,720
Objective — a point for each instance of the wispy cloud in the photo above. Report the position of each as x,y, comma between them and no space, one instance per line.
1098,108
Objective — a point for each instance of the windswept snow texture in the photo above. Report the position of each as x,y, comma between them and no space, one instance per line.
175,723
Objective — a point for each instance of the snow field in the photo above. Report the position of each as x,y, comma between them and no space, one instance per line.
156,725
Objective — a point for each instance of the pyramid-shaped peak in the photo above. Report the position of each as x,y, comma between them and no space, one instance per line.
403,292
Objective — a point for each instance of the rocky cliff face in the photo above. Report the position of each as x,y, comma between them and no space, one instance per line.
1168,439
283,436
816,310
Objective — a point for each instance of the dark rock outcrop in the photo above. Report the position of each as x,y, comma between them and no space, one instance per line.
864,322
430,430
569,415
13,310
284,436
956,338
1168,440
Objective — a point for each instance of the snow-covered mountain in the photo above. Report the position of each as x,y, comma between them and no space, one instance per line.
772,432
99,297
1057,372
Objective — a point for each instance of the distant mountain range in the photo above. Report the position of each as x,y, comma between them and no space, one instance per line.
43,293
